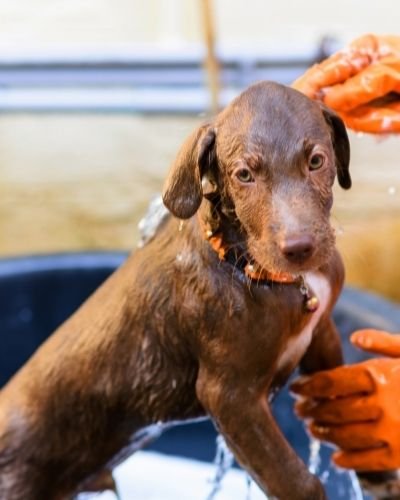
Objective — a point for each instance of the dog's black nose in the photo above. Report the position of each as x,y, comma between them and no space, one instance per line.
298,249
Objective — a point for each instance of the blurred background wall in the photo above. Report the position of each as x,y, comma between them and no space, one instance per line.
60,23
97,95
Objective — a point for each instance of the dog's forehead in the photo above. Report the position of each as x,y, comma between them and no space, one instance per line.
269,115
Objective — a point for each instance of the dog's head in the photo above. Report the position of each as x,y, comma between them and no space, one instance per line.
270,159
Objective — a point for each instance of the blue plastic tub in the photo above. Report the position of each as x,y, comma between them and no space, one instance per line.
38,293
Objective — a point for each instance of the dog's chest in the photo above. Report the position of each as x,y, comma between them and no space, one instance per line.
298,343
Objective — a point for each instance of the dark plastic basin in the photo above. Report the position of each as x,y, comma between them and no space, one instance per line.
39,293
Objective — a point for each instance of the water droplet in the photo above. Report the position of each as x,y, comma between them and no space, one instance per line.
314,459
249,482
386,123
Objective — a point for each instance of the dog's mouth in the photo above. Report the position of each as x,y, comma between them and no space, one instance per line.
292,260
267,258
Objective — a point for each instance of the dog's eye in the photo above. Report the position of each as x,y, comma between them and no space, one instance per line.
244,175
316,161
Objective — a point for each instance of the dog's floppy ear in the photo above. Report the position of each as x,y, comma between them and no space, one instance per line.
183,192
341,146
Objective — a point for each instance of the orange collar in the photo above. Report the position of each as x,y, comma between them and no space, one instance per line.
251,269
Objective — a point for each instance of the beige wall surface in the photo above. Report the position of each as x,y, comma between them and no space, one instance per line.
83,181
25,24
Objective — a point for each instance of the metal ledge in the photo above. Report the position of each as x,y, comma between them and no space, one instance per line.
138,79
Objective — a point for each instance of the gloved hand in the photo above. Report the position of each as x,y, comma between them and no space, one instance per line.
361,83
357,407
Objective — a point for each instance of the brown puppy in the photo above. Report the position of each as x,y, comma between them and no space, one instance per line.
189,327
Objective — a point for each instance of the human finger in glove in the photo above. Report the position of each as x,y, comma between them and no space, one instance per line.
357,407
361,83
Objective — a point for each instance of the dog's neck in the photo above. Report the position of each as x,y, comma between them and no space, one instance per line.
230,246
225,236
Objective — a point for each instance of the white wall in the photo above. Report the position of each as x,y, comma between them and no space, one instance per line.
25,24
304,21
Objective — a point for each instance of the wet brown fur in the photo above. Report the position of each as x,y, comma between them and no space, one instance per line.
175,333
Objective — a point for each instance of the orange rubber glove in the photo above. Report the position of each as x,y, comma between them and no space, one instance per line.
361,83
357,407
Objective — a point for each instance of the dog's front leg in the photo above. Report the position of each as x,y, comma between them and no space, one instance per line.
325,350
244,419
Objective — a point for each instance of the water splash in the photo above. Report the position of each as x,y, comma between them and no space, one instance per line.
249,482
346,483
149,224
356,492
314,459
224,460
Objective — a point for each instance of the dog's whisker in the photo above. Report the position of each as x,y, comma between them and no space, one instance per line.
215,207
240,256
263,269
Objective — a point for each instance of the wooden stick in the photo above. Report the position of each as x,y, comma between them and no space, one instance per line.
211,61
